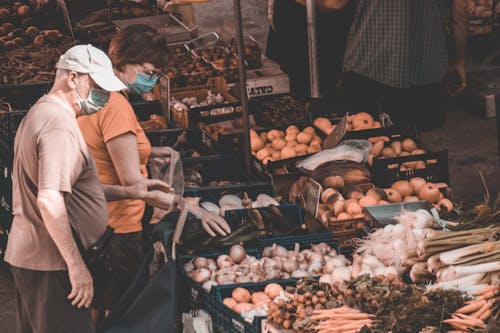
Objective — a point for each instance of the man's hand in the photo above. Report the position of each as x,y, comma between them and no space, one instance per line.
162,200
138,190
455,79
210,221
82,285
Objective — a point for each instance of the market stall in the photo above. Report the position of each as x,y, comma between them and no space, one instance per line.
339,223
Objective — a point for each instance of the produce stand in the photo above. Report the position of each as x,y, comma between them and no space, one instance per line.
347,245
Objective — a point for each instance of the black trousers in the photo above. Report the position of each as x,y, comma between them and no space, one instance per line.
287,44
43,305
420,106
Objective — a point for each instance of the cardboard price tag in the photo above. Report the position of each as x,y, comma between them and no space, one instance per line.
337,134
313,195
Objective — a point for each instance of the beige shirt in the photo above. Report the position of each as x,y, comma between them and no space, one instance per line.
50,153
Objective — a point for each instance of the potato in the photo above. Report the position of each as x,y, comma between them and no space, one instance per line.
304,138
256,143
291,137
278,144
301,149
309,130
292,129
291,143
263,153
313,149
276,155
272,134
323,124
288,152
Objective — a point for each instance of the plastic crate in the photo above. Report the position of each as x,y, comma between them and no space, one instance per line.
185,119
222,169
23,95
387,171
230,321
195,296
279,110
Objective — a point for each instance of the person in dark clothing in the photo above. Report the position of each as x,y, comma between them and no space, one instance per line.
287,44
397,60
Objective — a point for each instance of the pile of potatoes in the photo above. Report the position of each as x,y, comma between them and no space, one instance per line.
480,8
335,207
406,147
355,122
276,145
17,27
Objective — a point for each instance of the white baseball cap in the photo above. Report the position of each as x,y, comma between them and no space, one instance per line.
88,59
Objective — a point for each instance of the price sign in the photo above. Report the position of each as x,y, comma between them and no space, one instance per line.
313,194
337,134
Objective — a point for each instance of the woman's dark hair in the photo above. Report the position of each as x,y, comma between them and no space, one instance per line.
138,44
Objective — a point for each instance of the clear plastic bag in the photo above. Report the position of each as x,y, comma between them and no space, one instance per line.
165,164
350,150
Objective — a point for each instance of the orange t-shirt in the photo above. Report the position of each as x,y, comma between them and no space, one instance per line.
115,119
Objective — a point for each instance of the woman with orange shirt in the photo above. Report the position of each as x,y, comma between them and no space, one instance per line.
121,151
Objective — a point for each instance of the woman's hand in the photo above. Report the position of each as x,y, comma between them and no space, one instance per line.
210,221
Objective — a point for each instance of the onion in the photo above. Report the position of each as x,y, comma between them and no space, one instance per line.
269,264
200,262
224,277
299,274
285,276
326,278
254,267
209,284
273,290
314,267
341,274
329,266
224,261
290,265
242,279
189,267
398,231
237,253
303,265
241,295
272,274
202,275
332,253
251,259
279,251
267,252
372,261
212,265
342,257
321,248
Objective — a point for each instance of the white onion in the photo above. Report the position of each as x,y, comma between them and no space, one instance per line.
279,251
372,261
332,253
243,279
321,248
212,265
189,267
326,278
365,269
398,231
200,262
290,265
285,276
314,267
272,274
209,284
267,252
224,261
423,219
237,253
341,274
298,274
329,266
338,262
201,275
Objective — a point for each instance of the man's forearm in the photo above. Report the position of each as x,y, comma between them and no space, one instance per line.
54,214
118,192
459,28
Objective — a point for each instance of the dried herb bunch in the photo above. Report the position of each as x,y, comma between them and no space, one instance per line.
398,307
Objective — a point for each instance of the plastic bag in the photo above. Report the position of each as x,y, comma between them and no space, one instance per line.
165,164
350,150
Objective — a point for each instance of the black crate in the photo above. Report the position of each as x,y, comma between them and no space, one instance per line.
194,295
219,168
278,110
214,193
231,322
387,171
22,96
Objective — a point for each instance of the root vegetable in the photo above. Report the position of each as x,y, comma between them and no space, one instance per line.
241,295
229,302
273,290
224,261
237,253
243,307
200,262
201,275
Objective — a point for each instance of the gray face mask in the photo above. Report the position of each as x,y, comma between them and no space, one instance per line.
96,100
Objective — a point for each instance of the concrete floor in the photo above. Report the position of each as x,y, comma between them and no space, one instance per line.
471,140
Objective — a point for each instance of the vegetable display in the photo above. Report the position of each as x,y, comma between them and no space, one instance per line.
355,122
275,145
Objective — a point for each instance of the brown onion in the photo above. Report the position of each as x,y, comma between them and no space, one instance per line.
224,261
200,262
243,279
201,275
237,253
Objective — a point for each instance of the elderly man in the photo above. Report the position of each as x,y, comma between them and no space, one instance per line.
55,189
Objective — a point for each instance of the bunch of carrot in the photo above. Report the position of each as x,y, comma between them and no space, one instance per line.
341,320
476,312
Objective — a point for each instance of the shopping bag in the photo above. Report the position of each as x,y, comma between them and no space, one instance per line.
150,305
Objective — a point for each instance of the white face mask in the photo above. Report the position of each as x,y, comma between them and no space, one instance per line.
96,100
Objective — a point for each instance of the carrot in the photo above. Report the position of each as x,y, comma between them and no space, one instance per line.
488,295
483,309
486,290
472,307
355,325
477,322
343,316
343,309
485,315
457,323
